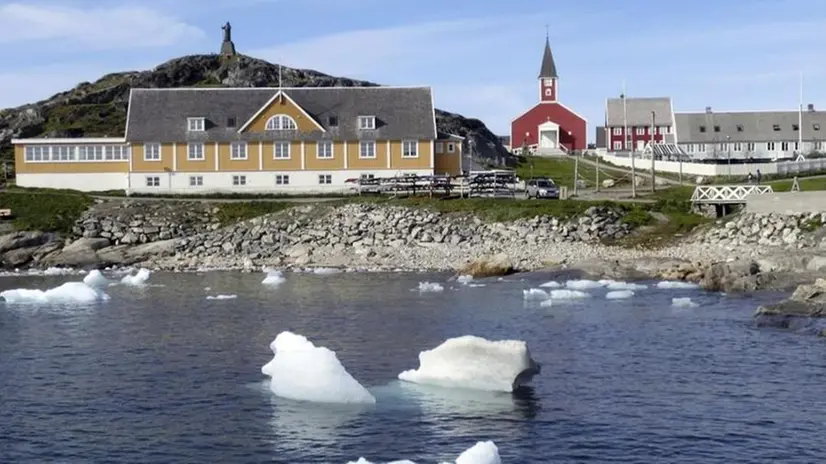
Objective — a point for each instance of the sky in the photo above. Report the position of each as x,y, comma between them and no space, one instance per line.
481,57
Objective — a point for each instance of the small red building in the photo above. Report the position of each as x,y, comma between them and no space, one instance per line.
550,127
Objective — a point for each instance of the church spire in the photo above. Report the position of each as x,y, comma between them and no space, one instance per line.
548,69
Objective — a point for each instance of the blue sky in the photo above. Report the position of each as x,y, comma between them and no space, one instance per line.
480,56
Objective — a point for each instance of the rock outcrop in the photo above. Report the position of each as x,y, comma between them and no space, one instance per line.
99,108
767,230
804,311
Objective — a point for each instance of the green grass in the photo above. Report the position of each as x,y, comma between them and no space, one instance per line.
230,213
47,212
561,170
806,185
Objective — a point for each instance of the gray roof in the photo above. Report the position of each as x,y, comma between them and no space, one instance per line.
751,126
160,115
638,111
548,68
601,141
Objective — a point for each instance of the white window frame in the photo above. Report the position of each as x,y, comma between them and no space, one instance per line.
451,147
750,146
36,154
195,152
325,179
689,148
701,147
771,146
738,147
784,146
410,149
196,181
367,176
153,181
617,131
549,91
239,180
724,146
367,122
282,179
617,145
817,145
440,147
364,152
796,146
639,130
281,122
327,154
195,124
238,151
279,154
151,151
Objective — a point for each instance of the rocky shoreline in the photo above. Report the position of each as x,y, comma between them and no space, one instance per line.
745,253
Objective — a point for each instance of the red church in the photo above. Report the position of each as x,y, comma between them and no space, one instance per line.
550,127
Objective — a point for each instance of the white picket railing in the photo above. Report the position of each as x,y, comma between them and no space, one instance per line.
727,194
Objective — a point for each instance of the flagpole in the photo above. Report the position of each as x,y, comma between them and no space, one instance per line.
800,119
625,141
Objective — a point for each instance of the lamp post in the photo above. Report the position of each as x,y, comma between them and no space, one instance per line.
625,142
653,135
728,153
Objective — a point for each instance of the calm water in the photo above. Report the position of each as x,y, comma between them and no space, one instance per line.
161,375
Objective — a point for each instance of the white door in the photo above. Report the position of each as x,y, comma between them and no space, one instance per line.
640,145
548,139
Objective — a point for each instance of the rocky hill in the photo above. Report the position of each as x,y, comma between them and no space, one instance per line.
99,109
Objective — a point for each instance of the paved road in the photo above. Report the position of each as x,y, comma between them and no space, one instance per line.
640,171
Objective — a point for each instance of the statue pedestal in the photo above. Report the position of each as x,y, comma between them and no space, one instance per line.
228,48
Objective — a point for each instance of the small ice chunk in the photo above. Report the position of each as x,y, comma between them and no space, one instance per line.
475,363
325,270
464,279
683,303
483,452
551,284
535,294
619,294
70,292
430,287
138,279
58,271
583,284
620,285
565,294
676,285
274,277
302,371
96,279
222,297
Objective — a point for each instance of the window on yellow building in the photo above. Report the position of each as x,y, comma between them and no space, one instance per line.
281,150
451,147
410,149
324,150
151,152
280,122
238,150
367,149
195,151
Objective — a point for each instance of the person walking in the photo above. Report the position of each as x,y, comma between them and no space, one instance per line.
750,178
758,177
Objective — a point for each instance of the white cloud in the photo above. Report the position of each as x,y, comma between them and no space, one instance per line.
99,28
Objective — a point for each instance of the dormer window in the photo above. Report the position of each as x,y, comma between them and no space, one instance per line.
367,122
702,128
195,124
230,122
816,126
776,127
739,128
795,127
716,128
332,121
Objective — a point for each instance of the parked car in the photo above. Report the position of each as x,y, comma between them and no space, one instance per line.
541,188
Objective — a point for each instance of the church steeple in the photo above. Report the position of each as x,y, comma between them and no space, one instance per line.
227,47
548,69
547,74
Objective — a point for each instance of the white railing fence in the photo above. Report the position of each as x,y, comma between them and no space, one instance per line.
727,193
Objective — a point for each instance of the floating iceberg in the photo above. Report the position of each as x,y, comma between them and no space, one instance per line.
583,284
96,279
304,372
70,292
676,284
619,294
535,294
551,284
430,287
475,363
222,297
274,277
483,452
138,279
464,279
620,285
565,294
683,303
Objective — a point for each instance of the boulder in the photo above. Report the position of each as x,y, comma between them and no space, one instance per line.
489,266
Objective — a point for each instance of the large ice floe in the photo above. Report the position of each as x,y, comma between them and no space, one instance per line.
676,285
68,293
301,371
138,279
475,363
483,452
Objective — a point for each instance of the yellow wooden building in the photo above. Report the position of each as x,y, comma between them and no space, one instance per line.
254,140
